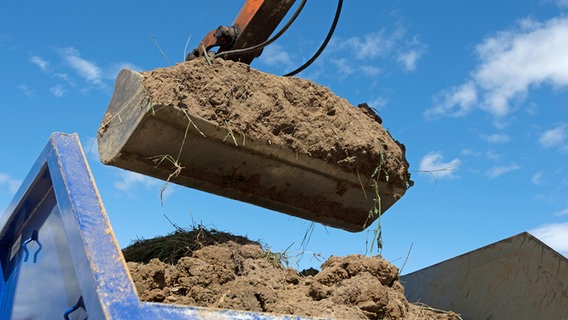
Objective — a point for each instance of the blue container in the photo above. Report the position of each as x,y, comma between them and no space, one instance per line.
58,254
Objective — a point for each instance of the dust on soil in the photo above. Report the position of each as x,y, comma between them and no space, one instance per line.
284,111
207,268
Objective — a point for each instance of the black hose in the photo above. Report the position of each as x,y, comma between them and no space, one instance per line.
324,43
269,41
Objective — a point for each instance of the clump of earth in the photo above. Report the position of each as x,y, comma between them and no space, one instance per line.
208,268
283,111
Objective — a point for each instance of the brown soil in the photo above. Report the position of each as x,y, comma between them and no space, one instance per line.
284,111
216,269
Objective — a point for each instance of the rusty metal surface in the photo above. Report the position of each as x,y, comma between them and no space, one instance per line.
223,37
255,22
516,278
252,171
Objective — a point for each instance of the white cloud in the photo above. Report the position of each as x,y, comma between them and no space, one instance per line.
497,138
26,90
40,62
501,170
561,3
470,153
562,212
455,102
63,76
274,55
72,68
370,70
553,138
378,103
537,178
345,67
58,91
512,62
130,180
433,164
342,66
409,59
387,44
555,235
494,156
372,45
11,183
84,68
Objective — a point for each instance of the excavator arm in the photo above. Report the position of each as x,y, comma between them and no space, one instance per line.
255,22
142,129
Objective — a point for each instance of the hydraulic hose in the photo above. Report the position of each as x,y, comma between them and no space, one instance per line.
324,43
269,41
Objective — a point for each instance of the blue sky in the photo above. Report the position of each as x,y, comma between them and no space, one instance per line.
476,90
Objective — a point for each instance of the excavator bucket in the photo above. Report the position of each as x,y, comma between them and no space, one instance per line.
285,144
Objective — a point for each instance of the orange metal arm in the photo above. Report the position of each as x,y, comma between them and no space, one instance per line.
255,22
249,9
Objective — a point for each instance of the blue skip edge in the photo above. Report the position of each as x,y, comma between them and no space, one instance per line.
59,257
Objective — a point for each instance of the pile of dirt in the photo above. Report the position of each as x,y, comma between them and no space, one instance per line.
284,111
214,269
